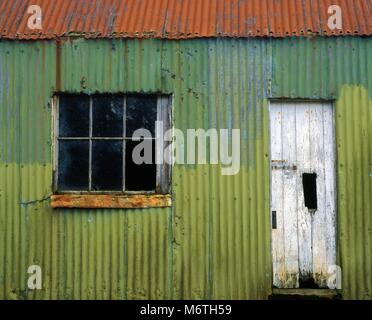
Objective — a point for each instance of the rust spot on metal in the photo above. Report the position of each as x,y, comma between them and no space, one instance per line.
110,201
58,65
284,167
83,83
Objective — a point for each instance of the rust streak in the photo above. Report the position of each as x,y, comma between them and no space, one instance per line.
58,65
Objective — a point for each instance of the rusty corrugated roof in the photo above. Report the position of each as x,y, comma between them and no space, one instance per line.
179,19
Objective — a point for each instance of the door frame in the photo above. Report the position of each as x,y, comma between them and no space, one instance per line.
332,102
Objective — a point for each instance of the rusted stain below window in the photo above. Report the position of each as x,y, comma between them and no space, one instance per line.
110,201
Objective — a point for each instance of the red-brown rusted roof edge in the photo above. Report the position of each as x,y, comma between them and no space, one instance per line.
182,19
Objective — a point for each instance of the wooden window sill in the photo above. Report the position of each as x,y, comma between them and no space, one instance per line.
110,201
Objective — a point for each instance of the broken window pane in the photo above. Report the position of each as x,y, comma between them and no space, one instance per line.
108,115
140,113
107,165
73,173
139,177
74,116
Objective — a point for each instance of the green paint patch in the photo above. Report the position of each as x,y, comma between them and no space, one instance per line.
354,156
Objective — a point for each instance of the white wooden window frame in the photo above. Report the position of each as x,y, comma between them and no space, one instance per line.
163,171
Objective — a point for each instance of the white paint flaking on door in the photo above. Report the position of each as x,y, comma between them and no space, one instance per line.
303,243
304,218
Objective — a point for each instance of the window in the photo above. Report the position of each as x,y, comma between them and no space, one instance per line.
94,145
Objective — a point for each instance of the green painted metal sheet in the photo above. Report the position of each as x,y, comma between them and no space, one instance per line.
215,240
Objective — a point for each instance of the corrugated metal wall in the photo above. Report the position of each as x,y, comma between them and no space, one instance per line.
215,241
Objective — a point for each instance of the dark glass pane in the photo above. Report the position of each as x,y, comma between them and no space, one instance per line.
74,116
140,113
107,165
108,115
139,177
73,165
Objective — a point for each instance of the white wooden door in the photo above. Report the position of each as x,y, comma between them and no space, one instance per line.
303,187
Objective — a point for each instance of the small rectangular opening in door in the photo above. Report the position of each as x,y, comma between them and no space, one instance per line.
309,185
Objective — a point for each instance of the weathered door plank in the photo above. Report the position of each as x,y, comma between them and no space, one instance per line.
304,218
290,195
277,181
317,166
